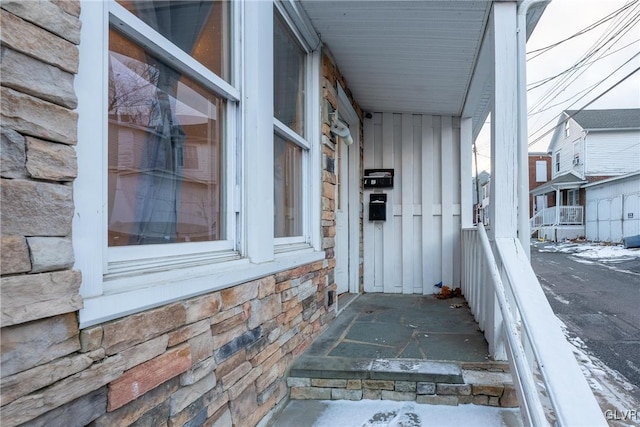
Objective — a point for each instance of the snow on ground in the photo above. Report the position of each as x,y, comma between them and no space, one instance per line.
607,255
612,390
592,251
387,413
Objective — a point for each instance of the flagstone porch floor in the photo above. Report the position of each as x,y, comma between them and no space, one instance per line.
414,341
389,326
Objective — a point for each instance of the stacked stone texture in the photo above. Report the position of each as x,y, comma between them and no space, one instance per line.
331,78
219,359
495,393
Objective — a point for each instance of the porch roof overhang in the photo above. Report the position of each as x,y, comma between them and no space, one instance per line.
413,56
568,181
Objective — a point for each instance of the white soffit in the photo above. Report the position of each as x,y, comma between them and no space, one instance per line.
403,56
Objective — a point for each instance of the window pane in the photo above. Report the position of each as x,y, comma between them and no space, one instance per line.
287,188
165,169
288,77
541,171
200,28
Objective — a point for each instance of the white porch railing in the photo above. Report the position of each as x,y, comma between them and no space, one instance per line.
512,310
558,215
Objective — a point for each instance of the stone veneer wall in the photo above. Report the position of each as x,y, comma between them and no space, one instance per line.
217,359
331,78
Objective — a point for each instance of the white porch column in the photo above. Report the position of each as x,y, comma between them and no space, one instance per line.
504,120
504,149
466,198
258,128
557,222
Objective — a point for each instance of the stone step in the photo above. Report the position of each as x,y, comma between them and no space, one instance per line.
431,382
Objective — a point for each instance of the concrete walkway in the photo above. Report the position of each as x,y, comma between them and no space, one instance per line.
386,413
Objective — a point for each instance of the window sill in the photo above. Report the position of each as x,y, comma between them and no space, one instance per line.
166,287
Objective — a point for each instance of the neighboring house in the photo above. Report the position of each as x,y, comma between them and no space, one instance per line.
613,208
587,146
539,173
481,192
179,213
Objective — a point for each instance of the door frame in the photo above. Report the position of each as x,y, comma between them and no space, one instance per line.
348,114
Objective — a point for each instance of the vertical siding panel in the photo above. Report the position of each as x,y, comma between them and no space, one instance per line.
456,189
447,200
407,204
379,243
466,198
436,232
388,245
369,238
428,278
417,201
396,195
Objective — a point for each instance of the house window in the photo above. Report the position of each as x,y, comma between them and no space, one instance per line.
541,171
567,128
162,208
159,118
159,108
576,153
573,198
558,162
168,100
291,148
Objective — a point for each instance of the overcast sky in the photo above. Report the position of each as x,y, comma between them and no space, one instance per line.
561,19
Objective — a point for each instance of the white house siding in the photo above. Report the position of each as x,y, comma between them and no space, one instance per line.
565,146
613,210
419,243
612,153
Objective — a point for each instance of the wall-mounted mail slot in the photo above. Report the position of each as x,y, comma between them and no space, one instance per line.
377,178
377,207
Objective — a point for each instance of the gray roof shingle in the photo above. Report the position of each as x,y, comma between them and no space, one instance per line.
607,119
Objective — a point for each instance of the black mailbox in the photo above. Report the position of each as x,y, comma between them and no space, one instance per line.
377,207
378,178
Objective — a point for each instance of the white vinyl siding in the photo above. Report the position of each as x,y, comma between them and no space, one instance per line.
419,243
612,153
613,209
565,145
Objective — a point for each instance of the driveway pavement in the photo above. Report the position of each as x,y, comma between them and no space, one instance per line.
598,298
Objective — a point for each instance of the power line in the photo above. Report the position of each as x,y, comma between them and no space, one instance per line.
561,85
585,106
618,29
546,103
548,79
588,90
582,31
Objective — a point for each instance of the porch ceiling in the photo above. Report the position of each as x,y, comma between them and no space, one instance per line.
403,56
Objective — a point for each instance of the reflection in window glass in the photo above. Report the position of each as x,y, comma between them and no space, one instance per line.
288,77
200,28
287,188
165,134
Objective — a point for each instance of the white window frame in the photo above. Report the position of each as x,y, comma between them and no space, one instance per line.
123,261
113,286
576,153
567,128
557,162
308,142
